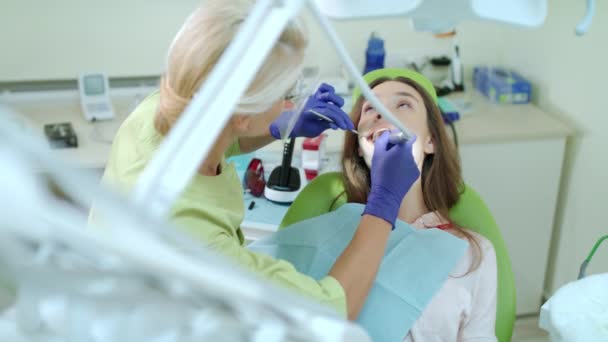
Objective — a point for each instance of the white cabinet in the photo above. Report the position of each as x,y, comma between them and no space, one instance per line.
513,156
519,181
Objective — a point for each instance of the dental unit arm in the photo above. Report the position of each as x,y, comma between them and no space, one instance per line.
585,23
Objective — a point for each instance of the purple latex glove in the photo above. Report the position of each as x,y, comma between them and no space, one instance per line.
393,173
324,101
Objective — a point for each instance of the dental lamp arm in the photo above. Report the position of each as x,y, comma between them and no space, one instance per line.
353,71
584,25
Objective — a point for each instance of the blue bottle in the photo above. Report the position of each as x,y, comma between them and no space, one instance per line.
374,55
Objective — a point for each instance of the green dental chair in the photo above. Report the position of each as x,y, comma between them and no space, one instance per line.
325,194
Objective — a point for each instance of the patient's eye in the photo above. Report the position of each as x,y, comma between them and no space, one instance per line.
367,109
404,104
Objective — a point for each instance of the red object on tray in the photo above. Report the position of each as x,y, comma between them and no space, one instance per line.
254,177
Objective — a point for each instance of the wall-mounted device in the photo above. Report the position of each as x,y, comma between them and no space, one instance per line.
95,96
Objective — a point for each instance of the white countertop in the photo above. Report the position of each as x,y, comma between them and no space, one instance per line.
487,122
484,122
94,139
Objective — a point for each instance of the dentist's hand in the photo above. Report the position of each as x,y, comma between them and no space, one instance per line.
393,172
324,101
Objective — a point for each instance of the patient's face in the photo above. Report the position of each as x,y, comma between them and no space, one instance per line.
408,106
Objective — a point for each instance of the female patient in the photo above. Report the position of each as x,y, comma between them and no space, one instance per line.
465,307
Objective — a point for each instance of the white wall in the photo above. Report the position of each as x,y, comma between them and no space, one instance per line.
42,40
49,40
569,74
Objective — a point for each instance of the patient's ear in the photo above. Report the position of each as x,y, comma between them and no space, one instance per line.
429,146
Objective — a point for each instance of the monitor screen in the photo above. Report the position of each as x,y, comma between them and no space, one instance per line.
94,85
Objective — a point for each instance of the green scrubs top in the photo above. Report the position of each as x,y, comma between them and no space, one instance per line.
210,209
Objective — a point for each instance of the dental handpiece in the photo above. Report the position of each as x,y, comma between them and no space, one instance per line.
397,138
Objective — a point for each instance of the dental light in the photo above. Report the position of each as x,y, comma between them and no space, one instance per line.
440,16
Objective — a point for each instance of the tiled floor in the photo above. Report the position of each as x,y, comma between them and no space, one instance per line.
527,330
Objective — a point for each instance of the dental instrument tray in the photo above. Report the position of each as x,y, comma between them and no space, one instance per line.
61,135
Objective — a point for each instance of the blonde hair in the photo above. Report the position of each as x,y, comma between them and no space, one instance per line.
198,46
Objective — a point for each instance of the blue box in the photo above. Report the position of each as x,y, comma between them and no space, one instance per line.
502,85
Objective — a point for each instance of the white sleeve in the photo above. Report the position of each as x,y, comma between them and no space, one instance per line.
481,323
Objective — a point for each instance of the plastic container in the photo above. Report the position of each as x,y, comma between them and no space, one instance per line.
313,155
457,70
502,85
374,55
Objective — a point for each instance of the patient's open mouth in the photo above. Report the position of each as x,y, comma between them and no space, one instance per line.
375,134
